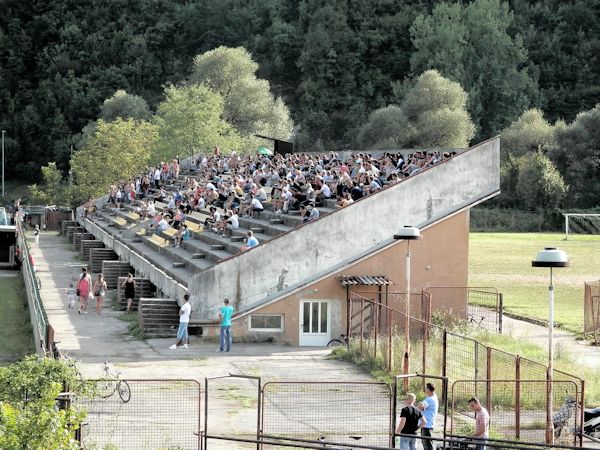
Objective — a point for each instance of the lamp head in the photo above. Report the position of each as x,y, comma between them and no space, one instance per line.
551,257
408,232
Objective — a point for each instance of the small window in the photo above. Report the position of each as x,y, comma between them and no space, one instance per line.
266,322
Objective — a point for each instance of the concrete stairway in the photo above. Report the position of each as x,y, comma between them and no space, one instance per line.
292,254
158,317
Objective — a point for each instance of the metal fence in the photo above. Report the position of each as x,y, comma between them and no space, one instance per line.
591,311
343,412
42,331
377,332
518,409
484,304
155,414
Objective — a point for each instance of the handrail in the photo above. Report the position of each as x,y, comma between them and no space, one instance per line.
39,318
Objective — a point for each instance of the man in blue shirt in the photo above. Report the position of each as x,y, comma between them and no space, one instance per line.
225,316
429,406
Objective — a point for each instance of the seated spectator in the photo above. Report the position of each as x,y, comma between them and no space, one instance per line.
345,200
254,206
251,241
214,218
162,224
312,213
183,234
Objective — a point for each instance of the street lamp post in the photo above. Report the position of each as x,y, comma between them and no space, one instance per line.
3,133
408,233
550,257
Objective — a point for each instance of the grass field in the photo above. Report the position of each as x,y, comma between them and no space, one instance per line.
503,260
16,337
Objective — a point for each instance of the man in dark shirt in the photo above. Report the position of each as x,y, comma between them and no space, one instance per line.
411,421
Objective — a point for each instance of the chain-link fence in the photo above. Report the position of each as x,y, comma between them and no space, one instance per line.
518,409
591,311
484,304
345,412
142,414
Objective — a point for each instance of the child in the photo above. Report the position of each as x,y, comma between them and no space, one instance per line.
71,295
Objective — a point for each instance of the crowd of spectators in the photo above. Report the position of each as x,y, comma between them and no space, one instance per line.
227,187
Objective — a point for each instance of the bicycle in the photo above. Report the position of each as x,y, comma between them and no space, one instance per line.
343,340
475,322
110,384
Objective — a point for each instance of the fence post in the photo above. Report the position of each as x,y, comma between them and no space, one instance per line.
362,316
388,315
488,376
518,398
444,352
500,311
375,326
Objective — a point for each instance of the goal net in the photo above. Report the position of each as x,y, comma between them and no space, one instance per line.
581,224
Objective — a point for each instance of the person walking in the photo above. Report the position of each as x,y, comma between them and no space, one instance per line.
99,292
36,236
225,315
411,420
183,338
482,422
429,406
84,286
129,285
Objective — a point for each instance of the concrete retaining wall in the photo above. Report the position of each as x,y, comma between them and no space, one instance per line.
296,257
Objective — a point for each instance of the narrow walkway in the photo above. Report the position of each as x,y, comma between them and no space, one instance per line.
91,339
587,355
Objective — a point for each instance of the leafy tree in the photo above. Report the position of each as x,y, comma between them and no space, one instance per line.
578,158
118,150
539,183
125,106
531,132
189,121
52,191
431,114
248,105
473,43
387,128
28,417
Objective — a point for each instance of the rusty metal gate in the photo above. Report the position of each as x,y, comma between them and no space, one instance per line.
140,414
484,305
518,409
341,412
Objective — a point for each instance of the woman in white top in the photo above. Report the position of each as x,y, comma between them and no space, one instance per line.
99,292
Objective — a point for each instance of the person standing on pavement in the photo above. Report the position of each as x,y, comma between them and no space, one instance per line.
411,420
84,289
429,406
183,338
482,422
225,317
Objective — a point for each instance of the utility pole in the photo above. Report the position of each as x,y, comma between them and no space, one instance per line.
3,132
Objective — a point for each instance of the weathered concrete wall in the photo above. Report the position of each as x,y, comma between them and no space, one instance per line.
299,256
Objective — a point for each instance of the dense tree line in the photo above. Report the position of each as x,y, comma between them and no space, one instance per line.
333,62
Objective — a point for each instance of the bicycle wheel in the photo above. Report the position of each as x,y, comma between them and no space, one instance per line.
106,388
124,390
335,343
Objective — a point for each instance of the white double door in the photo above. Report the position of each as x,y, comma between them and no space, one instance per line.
315,319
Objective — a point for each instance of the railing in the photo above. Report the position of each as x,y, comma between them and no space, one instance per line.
42,331
377,332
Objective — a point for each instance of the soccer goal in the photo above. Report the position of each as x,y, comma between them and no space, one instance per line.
581,224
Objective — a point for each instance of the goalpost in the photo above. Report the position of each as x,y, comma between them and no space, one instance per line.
581,224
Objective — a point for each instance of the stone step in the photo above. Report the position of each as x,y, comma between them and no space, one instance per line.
198,256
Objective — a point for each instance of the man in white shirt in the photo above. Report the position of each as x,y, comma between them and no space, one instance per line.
183,337
162,224
157,178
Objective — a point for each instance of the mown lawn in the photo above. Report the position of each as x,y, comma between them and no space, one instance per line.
16,338
503,260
